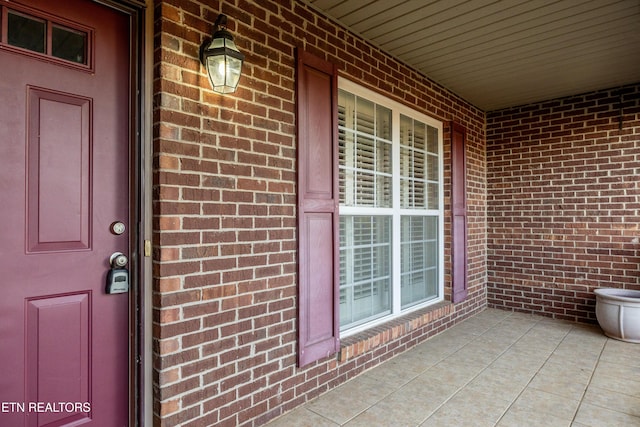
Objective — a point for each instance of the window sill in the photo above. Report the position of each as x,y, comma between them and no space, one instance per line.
377,336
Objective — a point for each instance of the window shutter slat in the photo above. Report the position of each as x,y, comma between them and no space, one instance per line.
318,250
459,214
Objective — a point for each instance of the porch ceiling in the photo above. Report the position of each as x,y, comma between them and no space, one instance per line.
503,53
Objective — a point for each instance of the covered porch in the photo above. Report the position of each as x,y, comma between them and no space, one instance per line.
550,207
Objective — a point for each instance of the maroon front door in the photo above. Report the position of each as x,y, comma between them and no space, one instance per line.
64,180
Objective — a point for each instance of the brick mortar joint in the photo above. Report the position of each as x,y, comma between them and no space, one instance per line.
395,329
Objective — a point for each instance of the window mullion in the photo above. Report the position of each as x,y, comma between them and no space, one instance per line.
350,262
396,267
440,213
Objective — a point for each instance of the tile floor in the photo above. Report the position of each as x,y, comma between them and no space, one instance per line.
495,369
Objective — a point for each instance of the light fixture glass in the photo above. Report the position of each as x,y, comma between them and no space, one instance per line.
222,59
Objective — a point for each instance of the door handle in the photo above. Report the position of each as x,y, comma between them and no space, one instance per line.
118,260
118,276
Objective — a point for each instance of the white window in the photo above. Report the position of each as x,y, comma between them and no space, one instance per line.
391,208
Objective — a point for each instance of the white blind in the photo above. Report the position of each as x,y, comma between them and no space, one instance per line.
419,259
419,159
365,268
365,152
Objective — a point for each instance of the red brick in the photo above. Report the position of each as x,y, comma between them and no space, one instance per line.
574,219
224,176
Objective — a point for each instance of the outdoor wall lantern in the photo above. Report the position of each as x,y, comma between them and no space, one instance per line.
221,58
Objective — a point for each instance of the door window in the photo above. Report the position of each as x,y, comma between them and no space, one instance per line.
26,32
65,42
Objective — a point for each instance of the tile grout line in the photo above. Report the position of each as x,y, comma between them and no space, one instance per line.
493,330
476,337
593,372
452,395
534,375
441,359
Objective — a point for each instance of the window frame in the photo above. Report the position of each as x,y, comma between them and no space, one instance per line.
50,21
395,211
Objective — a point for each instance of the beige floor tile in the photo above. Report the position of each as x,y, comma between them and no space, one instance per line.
496,369
422,393
530,418
492,316
408,406
391,373
302,417
612,400
418,362
497,340
503,384
455,374
454,337
471,327
582,345
536,345
475,354
622,353
469,407
498,345
565,380
345,402
550,331
617,370
337,408
368,389
445,343
517,360
543,344
490,346
597,416
557,324
435,350
444,418
526,316
546,403
629,386
574,357
515,326
585,330
381,416
505,332
619,346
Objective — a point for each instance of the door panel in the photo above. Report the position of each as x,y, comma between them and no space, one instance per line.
58,353
64,179
58,166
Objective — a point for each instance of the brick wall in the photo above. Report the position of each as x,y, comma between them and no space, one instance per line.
224,214
564,202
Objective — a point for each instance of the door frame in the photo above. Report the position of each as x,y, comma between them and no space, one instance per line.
140,355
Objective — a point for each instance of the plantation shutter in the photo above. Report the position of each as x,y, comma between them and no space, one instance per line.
459,214
318,245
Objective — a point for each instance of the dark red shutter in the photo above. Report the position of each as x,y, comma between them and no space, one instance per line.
318,258
459,214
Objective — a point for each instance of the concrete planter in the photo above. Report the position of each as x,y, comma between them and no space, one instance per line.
618,312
